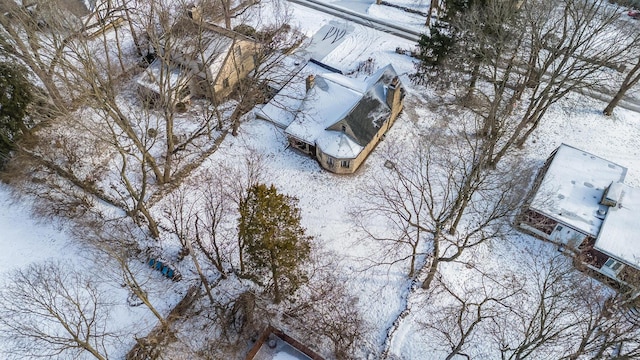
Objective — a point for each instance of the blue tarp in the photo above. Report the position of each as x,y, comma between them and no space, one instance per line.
165,269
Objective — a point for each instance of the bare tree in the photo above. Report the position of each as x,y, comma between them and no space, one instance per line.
213,235
51,310
545,319
541,308
462,310
182,215
130,275
277,40
237,186
571,43
429,191
609,327
520,58
632,78
327,311
36,34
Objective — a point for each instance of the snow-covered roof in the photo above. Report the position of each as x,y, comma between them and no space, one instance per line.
280,70
338,145
573,186
325,103
358,105
199,45
210,47
282,108
620,232
325,42
159,75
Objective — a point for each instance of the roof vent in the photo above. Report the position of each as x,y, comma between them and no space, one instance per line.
311,80
612,194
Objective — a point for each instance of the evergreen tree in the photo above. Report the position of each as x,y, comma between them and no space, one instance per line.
275,245
434,48
15,96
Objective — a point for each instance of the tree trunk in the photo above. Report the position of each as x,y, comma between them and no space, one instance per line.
240,255
134,35
456,222
226,8
168,160
433,5
412,266
203,278
474,79
433,268
629,81
274,273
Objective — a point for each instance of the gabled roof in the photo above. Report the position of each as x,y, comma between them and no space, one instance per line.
197,43
274,344
338,145
342,115
572,187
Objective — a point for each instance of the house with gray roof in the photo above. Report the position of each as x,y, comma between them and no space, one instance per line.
341,119
580,201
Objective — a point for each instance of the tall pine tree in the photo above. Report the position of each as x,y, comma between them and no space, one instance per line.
275,244
434,48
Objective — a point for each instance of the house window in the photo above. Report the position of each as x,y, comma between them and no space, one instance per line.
345,163
613,264
238,50
225,83
300,145
330,161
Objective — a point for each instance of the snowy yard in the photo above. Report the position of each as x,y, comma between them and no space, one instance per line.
329,204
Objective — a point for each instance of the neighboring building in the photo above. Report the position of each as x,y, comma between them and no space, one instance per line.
274,344
579,201
199,60
342,119
104,15
323,44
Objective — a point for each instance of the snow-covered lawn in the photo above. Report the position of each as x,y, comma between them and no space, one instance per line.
29,239
328,201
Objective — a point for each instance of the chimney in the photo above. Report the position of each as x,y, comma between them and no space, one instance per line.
195,13
393,92
310,82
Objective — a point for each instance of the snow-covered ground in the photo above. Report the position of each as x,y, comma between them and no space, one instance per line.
327,200
28,239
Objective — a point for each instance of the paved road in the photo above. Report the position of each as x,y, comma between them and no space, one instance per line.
628,102
361,19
